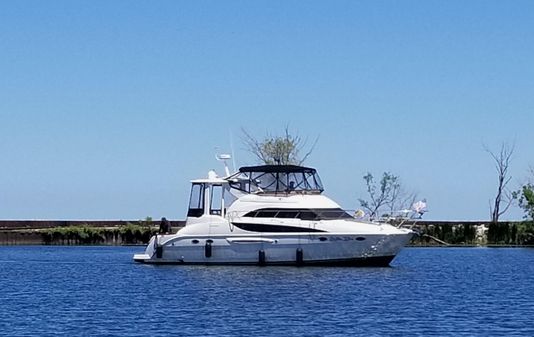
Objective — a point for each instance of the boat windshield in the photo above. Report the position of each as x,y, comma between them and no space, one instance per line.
277,179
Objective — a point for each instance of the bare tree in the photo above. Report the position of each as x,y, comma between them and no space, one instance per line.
278,150
402,200
504,198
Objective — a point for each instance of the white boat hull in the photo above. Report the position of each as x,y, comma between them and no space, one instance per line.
277,249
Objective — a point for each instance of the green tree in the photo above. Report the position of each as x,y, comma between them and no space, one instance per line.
380,194
287,149
525,233
526,200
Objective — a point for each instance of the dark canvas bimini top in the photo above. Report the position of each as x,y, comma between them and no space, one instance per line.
277,169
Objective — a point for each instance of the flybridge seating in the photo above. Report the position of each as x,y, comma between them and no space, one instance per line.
277,179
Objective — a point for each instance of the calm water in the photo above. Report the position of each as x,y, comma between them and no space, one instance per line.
99,291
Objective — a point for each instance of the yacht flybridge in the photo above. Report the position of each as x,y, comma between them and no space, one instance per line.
272,215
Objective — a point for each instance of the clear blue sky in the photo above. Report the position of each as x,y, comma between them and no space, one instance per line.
109,108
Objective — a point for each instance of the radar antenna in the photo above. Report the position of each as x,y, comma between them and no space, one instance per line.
224,158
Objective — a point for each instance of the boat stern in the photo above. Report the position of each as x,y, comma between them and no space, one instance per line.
141,257
149,251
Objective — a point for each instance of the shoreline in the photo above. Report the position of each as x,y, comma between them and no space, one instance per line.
443,234
114,238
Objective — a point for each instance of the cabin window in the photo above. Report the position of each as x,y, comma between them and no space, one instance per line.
266,214
216,200
196,201
287,214
332,214
302,214
307,214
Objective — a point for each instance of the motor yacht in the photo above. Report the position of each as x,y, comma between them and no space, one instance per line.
272,215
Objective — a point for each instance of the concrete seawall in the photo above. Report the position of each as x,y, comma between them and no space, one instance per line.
119,232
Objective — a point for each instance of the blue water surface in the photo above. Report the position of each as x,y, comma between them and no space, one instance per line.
99,291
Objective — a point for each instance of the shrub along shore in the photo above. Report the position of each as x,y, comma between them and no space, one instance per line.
431,233
473,233
47,232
